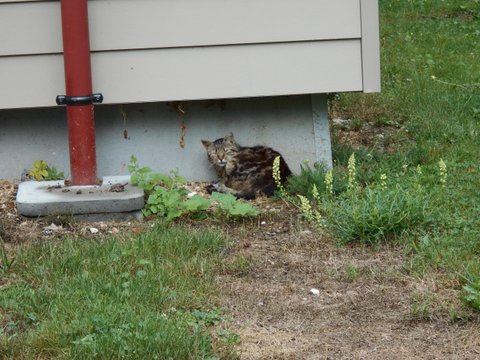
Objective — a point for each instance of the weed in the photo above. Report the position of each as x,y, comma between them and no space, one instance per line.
352,173
473,295
277,177
369,214
42,171
421,307
313,216
328,183
351,272
442,167
373,214
5,262
197,206
166,197
230,206
239,265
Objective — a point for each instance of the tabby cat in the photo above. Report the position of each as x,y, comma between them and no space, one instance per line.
243,171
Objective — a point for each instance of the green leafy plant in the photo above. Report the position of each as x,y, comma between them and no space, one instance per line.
473,295
230,206
166,197
165,201
164,193
197,206
351,272
145,178
42,171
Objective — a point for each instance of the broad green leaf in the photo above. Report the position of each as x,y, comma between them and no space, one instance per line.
196,203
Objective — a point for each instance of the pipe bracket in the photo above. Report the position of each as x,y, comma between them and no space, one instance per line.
79,100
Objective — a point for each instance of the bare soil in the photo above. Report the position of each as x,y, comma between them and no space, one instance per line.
370,305
379,311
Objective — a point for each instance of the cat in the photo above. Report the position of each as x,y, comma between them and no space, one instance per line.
242,171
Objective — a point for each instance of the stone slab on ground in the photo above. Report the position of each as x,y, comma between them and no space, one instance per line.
115,195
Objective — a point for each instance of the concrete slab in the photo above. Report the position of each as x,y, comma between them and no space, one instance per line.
163,140
115,195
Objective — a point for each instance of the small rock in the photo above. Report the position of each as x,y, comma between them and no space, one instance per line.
191,194
306,232
117,187
114,230
53,227
263,222
314,292
339,121
93,230
25,176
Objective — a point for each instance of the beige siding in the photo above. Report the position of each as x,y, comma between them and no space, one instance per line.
140,24
30,28
156,50
193,73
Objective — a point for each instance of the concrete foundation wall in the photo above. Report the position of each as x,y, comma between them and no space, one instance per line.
153,133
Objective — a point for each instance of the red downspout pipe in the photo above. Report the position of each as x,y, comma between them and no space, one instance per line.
79,98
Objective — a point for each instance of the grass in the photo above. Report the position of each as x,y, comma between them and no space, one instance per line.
148,296
431,95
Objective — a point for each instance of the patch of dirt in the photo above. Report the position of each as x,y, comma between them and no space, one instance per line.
366,123
369,306
385,139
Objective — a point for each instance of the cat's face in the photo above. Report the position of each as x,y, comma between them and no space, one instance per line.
221,151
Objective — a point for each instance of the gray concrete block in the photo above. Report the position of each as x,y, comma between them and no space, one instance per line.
164,139
41,198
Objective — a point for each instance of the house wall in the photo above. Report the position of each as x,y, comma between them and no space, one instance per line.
165,50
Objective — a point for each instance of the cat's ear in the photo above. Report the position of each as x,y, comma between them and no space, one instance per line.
229,136
206,143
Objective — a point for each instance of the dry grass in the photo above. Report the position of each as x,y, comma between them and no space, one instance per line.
381,313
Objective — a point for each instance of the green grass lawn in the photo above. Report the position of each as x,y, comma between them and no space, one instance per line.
147,296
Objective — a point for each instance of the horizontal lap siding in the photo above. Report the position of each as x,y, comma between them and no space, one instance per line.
192,73
161,50
139,24
233,71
